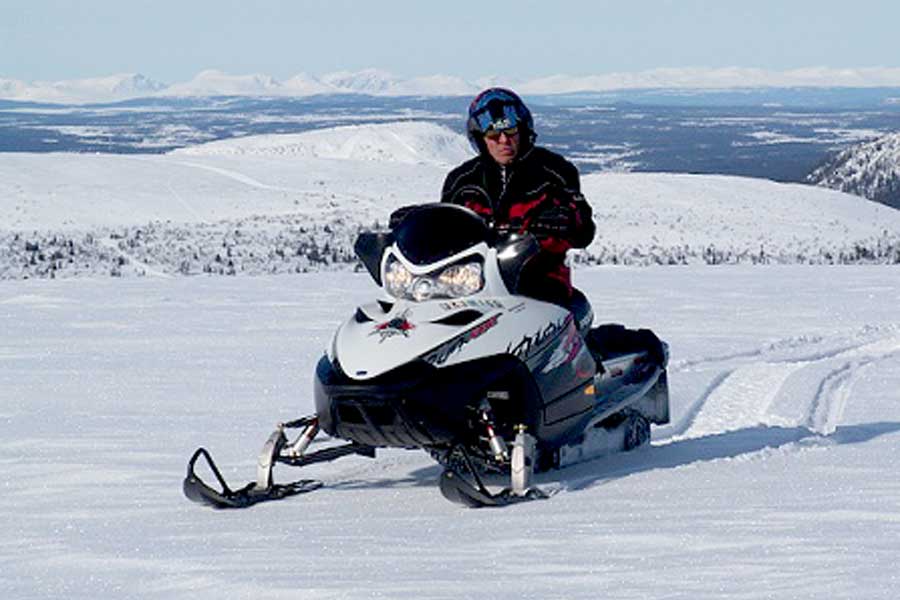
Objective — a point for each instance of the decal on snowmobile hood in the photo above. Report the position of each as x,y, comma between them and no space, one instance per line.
396,326
530,344
439,355
471,303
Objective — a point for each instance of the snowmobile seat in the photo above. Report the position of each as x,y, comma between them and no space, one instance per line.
611,339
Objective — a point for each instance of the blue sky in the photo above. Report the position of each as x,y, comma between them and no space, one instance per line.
172,41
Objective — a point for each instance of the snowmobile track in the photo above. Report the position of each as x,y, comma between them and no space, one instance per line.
794,385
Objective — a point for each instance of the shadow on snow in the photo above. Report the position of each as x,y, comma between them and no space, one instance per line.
671,455
725,445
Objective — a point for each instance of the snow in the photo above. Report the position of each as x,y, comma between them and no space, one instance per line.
212,82
691,79
119,86
869,169
311,173
405,142
639,209
176,212
776,478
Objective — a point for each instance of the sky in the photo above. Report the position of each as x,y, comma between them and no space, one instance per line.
171,41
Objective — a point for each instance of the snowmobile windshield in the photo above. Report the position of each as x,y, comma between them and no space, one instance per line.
433,232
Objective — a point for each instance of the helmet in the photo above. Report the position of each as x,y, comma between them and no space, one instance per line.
497,108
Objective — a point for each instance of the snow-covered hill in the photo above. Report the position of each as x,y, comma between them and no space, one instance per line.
295,202
870,169
405,142
731,219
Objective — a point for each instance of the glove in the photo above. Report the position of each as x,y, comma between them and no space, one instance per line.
556,221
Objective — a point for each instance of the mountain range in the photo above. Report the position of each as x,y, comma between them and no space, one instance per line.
382,83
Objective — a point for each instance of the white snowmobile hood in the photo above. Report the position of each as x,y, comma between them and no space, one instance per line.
443,332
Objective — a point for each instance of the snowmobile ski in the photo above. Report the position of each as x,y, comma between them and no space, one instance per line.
461,482
198,491
459,490
276,449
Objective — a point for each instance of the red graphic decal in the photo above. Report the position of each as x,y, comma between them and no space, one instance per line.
396,326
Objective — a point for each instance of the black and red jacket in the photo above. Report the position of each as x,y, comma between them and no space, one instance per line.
514,195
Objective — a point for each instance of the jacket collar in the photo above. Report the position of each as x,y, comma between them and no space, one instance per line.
520,158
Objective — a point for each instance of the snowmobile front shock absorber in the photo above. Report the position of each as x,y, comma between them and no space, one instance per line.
278,448
522,462
298,447
496,443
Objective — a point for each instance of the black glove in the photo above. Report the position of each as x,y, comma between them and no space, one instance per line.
556,221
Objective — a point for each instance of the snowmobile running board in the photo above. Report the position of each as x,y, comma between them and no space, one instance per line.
276,449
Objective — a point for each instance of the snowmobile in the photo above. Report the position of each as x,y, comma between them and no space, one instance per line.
495,385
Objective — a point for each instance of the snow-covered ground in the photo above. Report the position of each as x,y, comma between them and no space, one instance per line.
356,171
270,204
776,479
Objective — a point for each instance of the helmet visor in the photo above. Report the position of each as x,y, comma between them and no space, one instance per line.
496,115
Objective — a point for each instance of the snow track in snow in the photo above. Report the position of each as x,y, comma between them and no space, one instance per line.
310,195
800,382
832,397
236,176
741,400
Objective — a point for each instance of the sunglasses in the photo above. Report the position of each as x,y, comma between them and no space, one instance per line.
494,134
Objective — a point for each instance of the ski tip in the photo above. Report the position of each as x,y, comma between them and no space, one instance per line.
197,491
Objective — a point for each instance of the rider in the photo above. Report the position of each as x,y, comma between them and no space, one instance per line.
513,182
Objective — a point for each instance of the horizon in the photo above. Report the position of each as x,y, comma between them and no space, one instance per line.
48,40
689,76
381,82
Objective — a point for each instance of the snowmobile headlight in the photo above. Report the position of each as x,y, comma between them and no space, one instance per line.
461,280
454,281
397,278
422,289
